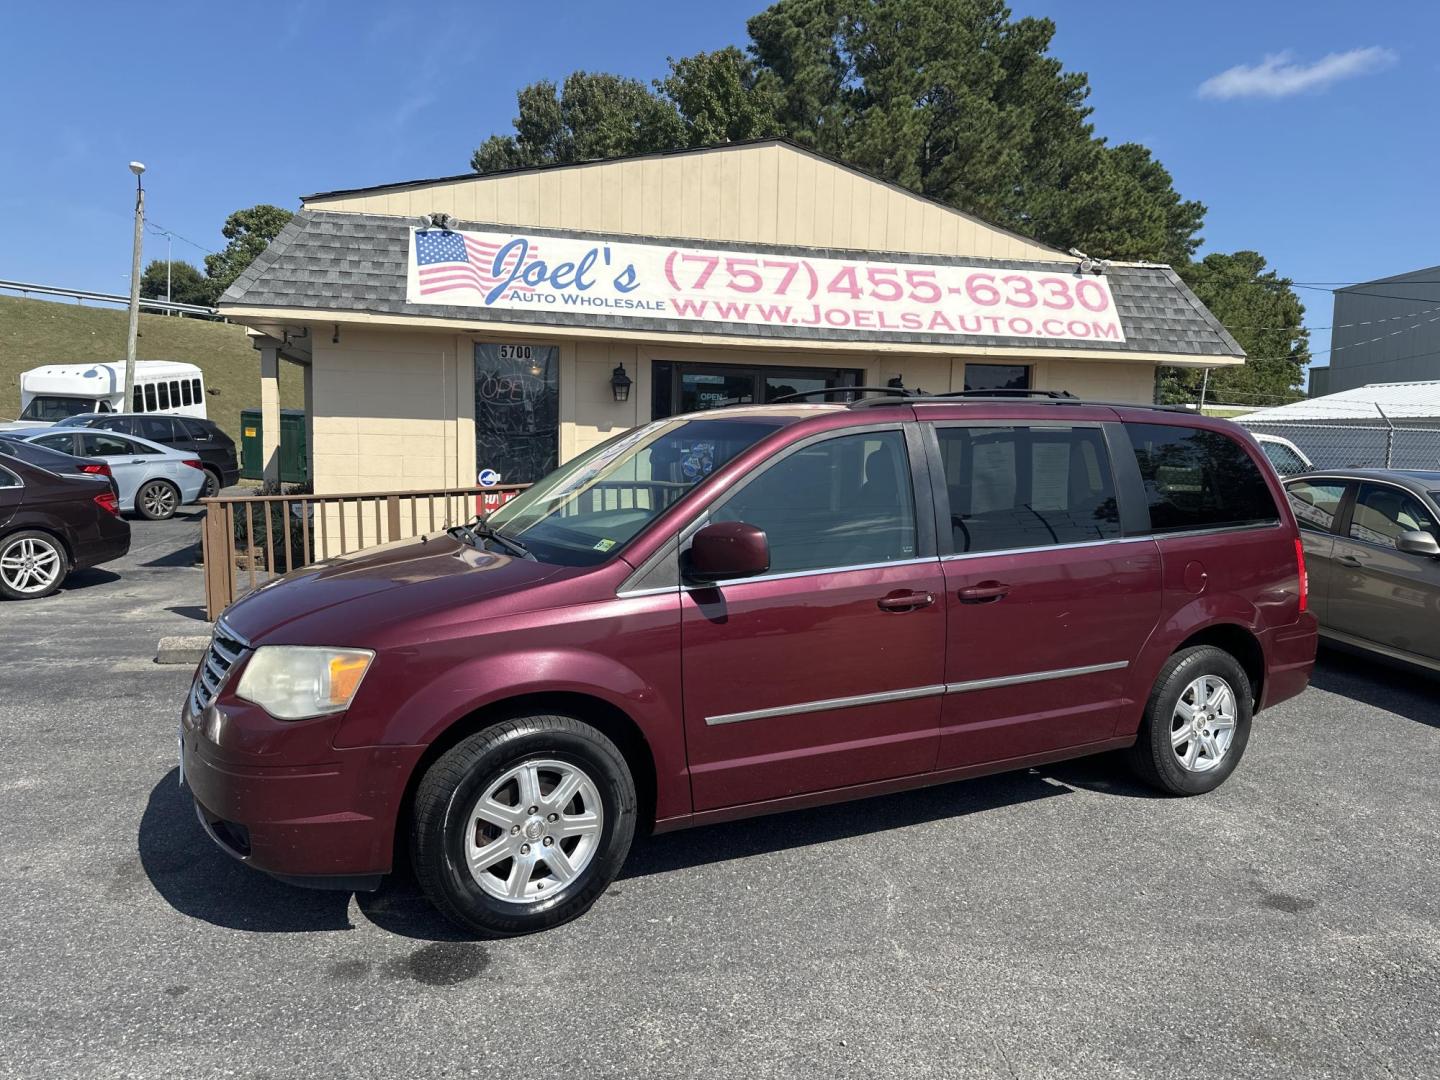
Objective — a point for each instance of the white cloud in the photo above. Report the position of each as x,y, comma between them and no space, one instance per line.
1279,76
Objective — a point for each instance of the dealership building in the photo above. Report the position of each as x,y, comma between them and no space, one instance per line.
501,323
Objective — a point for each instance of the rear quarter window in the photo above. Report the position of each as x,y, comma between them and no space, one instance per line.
1199,479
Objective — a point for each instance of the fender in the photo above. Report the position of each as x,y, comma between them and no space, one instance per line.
1199,613
427,687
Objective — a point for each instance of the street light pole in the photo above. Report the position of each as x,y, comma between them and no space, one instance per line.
127,391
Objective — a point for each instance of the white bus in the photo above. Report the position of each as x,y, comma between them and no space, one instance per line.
51,393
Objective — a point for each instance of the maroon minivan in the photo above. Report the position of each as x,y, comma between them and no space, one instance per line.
749,610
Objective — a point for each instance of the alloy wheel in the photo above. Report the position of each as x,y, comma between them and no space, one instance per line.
158,500
1203,724
534,830
30,565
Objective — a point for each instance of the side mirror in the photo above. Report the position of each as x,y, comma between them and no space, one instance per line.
727,549
1417,542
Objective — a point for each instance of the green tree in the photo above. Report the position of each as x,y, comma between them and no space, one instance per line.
249,232
955,99
591,115
187,284
1262,312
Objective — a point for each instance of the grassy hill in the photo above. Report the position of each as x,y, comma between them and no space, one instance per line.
36,332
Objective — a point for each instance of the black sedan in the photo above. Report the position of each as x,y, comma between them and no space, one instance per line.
52,523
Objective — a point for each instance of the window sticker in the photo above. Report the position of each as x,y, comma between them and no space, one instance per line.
604,545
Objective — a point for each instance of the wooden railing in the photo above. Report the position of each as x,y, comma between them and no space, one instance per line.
249,539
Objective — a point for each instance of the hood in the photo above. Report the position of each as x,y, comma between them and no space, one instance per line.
342,595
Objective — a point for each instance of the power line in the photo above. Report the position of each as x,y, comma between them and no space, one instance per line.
162,231
1346,326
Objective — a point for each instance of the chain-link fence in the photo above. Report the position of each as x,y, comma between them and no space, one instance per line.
1352,434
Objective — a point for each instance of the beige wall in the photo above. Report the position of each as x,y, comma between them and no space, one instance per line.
394,411
762,194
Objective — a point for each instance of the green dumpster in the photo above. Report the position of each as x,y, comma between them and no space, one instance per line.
294,446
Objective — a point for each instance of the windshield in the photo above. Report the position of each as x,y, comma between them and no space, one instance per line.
42,456
590,508
50,407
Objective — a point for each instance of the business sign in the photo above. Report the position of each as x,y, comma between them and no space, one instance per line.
540,274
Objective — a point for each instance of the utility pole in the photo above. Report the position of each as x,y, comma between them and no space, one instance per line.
128,390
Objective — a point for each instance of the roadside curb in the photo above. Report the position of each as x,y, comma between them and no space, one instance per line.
189,650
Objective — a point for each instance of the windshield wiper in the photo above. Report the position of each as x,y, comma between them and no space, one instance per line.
479,530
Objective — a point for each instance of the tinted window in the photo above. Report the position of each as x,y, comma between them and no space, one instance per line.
1198,479
997,377
1021,487
150,397
64,443
159,429
98,445
41,456
1315,505
163,389
846,501
195,390
185,398
8,478
137,400
1382,513
194,429
49,408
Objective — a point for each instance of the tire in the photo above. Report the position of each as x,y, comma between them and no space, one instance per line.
1169,737
157,500
32,564
473,792
212,484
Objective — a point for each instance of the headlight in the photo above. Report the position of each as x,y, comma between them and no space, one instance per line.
294,682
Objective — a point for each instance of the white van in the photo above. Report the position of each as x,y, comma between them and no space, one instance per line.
49,394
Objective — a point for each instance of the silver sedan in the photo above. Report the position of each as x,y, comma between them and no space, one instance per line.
153,480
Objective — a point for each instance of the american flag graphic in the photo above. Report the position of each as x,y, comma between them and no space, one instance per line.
450,260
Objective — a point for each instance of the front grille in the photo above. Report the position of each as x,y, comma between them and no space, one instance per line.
225,648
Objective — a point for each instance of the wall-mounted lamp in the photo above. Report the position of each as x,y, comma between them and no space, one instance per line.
335,337
620,383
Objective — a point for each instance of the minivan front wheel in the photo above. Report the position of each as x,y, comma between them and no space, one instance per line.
523,825
1196,724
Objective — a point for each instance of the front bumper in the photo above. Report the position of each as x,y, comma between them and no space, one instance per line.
277,796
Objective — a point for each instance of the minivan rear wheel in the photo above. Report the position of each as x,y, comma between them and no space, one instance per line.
1196,723
157,500
522,826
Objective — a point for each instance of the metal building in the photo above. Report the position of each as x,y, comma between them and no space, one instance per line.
1387,330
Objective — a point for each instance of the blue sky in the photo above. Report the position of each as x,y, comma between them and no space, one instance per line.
1319,151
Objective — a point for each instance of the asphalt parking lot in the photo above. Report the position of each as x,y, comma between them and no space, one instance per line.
1060,923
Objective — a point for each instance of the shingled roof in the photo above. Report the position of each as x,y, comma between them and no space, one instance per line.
329,262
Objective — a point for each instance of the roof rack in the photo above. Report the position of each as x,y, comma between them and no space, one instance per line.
1040,397
801,395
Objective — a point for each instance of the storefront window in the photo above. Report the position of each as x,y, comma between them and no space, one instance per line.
517,411
997,377
683,388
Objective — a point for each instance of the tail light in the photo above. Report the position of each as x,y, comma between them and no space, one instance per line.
194,463
1304,574
98,468
107,501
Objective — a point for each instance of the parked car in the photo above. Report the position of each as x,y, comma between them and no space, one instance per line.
750,610
151,480
16,444
1372,541
1288,459
52,523
198,438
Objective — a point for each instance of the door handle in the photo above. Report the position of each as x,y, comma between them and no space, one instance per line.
1349,560
137,461
986,592
910,601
